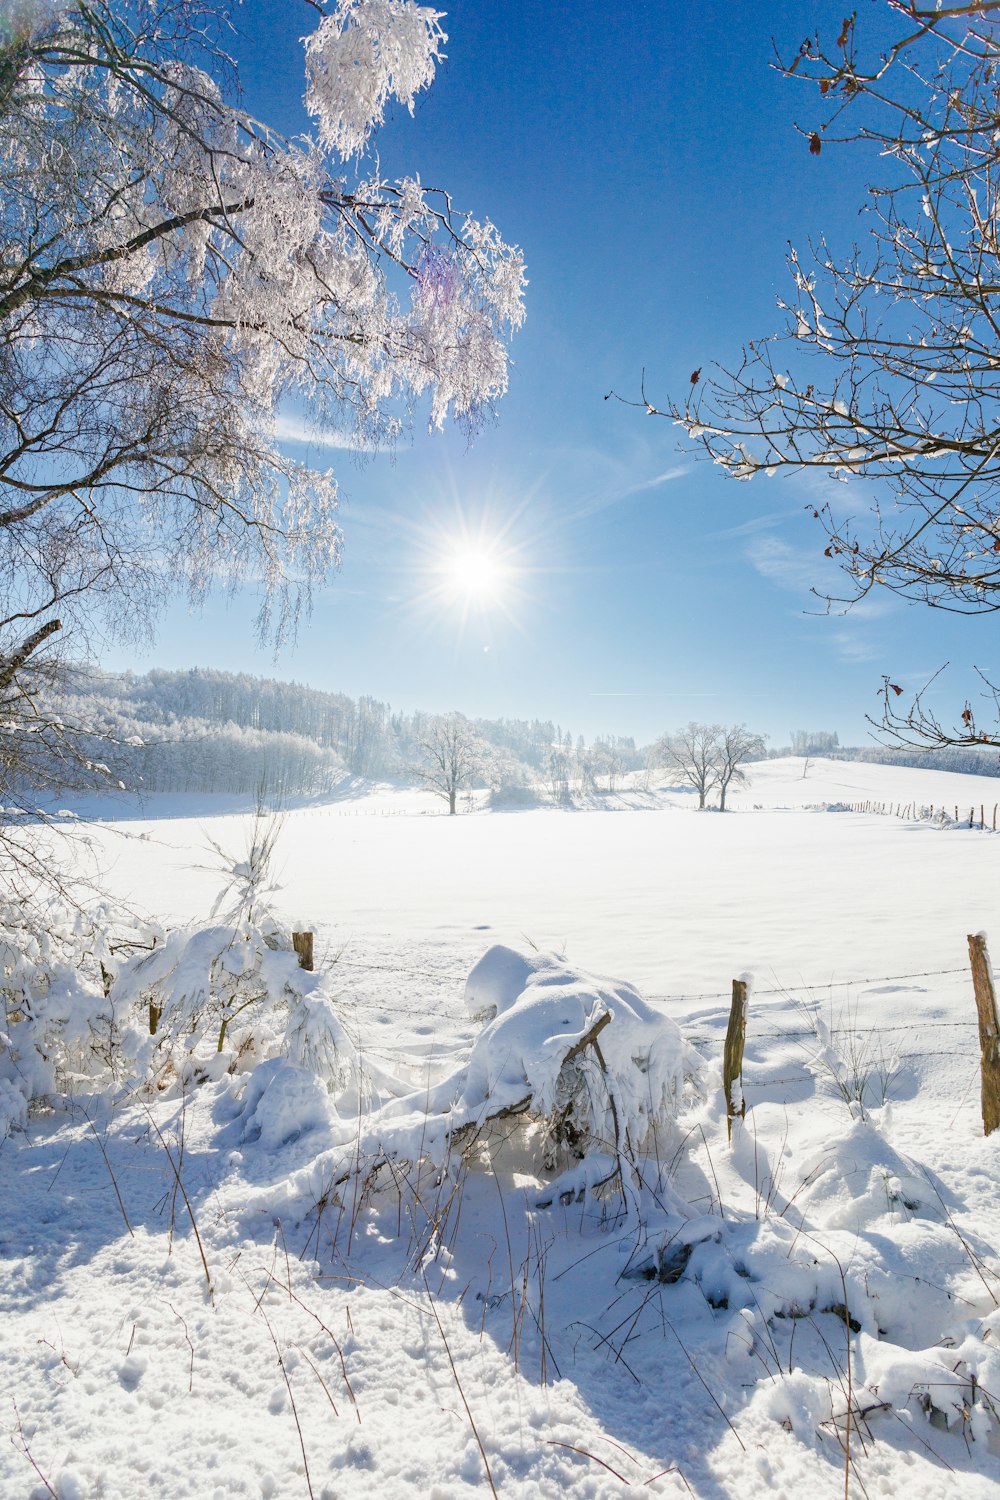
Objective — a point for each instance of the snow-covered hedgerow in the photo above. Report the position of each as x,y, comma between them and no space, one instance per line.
94,1003
591,1072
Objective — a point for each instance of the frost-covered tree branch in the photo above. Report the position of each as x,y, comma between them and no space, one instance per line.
887,369
886,373
172,271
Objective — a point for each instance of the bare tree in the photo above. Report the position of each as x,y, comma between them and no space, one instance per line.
693,751
453,754
886,374
735,745
709,756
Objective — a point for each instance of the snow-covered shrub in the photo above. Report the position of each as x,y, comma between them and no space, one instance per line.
585,1055
221,997
56,1024
591,1072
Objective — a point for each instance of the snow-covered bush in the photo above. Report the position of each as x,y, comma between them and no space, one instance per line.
56,1024
585,1055
593,1073
222,996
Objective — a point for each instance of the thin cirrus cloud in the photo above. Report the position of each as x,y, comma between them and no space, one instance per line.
854,648
801,571
291,429
789,567
678,694
614,496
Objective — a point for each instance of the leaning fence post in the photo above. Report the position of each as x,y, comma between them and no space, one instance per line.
989,1030
302,942
732,1056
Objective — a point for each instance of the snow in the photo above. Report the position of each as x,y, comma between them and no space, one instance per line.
282,1281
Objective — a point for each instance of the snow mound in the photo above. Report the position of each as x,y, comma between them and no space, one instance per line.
858,1179
283,1102
584,1053
582,1057
495,982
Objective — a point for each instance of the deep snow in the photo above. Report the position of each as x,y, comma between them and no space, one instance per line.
429,1323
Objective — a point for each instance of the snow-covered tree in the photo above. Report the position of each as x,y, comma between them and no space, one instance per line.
735,746
453,755
173,273
707,756
692,752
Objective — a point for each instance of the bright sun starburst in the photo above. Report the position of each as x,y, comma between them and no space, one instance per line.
471,573
476,574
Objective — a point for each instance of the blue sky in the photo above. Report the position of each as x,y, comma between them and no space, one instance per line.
644,156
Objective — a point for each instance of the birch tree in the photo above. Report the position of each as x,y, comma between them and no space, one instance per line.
173,273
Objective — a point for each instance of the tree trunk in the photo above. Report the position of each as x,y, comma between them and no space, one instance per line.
451,801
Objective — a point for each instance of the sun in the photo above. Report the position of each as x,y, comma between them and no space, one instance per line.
470,575
475,574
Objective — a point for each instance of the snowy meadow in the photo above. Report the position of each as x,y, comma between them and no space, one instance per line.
452,1214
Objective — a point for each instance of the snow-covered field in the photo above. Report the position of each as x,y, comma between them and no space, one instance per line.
819,1299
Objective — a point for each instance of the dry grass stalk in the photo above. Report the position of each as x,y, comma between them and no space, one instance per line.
461,1392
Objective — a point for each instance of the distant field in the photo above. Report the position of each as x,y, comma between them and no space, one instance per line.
673,900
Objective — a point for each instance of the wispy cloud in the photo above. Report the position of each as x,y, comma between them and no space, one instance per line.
853,647
605,499
678,694
292,429
752,527
789,567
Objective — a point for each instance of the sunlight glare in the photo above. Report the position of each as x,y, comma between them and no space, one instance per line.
476,574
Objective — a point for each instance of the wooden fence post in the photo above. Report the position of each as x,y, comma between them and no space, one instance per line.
989,1030
302,942
732,1056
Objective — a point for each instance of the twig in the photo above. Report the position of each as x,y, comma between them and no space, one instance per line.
704,1382
291,1397
187,1204
26,1451
114,1180
461,1392
187,1337
554,1443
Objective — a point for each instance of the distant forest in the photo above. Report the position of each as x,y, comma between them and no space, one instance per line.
208,731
